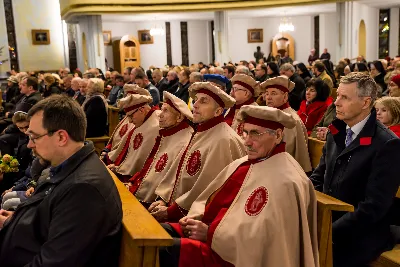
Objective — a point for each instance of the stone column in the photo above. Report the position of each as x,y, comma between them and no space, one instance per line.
394,32
221,37
89,31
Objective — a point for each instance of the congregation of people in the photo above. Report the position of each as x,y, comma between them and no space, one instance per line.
218,155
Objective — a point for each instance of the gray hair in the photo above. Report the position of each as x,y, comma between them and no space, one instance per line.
219,70
366,86
242,70
173,73
286,67
197,77
98,85
76,79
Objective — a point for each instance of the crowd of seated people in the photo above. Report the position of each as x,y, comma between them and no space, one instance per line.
191,136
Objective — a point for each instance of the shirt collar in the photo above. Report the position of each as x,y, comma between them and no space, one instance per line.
356,129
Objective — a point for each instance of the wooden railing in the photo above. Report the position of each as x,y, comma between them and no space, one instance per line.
142,235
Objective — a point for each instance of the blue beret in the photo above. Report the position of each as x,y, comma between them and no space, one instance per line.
216,78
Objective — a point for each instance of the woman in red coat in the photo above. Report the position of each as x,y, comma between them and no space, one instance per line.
314,103
388,113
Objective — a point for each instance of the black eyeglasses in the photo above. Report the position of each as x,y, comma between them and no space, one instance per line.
33,139
133,113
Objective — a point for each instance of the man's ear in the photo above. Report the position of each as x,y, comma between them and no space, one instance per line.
63,137
219,111
279,136
180,117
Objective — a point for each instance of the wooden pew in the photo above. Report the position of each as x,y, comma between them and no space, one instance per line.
325,205
389,258
142,235
334,93
113,119
315,147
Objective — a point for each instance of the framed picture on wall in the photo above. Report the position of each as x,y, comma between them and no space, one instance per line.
255,35
40,37
107,38
145,37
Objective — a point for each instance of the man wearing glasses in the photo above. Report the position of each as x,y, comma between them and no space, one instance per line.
276,94
130,155
261,210
74,217
244,90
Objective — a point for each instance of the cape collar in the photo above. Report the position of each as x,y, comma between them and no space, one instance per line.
171,131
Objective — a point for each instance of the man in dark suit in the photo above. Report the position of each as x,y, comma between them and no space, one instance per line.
173,81
160,82
142,80
183,89
295,95
360,166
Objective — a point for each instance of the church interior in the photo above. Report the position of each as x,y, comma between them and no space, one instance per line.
284,67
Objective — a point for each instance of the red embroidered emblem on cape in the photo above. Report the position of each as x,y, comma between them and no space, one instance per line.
239,129
194,163
137,142
256,201
365,141
333,129
161,163
123,130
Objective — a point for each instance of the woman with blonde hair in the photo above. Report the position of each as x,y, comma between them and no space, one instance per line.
50,85
96,108
388,113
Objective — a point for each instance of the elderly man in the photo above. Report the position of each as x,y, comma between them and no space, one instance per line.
183,88
129,157
234,221
174,135
83,83
160,82
212,147
116,90
325,55
242,70
295,96
173,81
276,94
245,90
74,217
360,166
124,126
142,80
261,72
67,86
312,57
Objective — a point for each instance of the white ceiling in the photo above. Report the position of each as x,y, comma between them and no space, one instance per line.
249,13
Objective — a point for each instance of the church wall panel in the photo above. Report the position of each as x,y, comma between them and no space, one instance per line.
239,49
3,42
28,15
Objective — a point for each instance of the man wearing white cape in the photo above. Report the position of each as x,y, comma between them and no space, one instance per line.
260,211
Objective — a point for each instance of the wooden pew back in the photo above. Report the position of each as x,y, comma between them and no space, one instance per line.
113,119
142,235
315,147
325,205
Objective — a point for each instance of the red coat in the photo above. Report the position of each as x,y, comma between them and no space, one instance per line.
312,113
395,129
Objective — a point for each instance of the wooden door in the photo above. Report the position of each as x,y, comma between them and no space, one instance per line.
129,51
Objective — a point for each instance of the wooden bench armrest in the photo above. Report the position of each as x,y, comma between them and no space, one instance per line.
333,203
389,258
140,228
113,108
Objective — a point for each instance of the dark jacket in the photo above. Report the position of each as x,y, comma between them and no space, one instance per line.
296,94
162,86
112,97
173,86
79,98
72,219
154,94
96,116
70,92
325,56
26,102
12,92
380,80
183,92
366,175
51,90
262,78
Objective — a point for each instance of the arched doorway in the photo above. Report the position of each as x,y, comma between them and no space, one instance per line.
362,39
84,53
281,43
